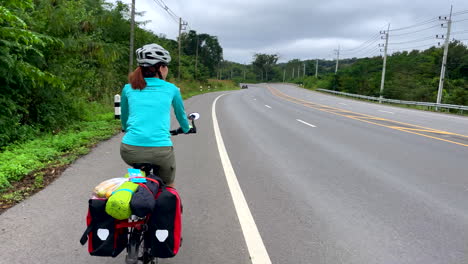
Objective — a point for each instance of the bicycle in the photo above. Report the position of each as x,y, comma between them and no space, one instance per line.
138,244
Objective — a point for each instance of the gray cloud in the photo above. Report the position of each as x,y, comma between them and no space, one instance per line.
302,28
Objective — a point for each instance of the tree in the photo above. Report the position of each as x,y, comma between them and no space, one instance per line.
210,53
264,64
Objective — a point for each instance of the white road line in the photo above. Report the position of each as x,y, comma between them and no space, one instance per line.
257,250
342,104
386,111
305,123
268,106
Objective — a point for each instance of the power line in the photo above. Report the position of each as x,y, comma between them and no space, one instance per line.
457,13
411,41
364,53
364,48
163,5
175,17
376,36
411,48
417,31
373,53
459,20
416,25
457,32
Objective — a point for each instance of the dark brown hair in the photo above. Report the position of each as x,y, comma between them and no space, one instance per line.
137,77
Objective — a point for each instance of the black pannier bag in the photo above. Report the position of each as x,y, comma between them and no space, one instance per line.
104,239
165,224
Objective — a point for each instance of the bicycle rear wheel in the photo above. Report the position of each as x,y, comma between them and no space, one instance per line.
146,257
138,249
133,247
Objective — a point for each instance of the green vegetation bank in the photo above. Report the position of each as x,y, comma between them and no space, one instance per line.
61,62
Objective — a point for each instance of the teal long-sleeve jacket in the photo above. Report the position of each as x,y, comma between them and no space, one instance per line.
146,114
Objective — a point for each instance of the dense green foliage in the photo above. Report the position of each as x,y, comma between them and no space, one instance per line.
412,76
57,56
31,157
206,51
263,64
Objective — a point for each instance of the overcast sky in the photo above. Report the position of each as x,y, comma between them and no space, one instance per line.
308,29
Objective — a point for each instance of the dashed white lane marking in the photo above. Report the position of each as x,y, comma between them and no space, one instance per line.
342,104
268,106
386,112
303,122
257,250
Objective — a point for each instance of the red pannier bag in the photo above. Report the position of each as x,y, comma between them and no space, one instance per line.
102,234
165,224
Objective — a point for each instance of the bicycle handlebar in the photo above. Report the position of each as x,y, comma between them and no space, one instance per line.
193,129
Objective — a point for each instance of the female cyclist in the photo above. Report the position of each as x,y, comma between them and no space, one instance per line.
146,113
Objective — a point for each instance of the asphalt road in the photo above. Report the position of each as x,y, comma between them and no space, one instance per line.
326,179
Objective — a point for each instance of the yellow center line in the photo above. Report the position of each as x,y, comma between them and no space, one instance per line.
423,130
362,117
372,118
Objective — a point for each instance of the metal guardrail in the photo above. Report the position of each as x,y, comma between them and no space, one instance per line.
449,106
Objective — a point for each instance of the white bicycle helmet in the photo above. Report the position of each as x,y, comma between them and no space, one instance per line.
151,54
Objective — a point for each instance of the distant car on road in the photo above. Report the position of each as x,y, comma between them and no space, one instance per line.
244,86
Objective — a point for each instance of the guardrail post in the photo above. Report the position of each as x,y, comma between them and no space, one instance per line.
117,106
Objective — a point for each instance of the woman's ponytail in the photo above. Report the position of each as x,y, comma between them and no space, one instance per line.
136,79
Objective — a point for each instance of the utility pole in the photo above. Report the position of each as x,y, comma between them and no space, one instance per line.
231,74
382,81
196,58
293,73
181,27
298,71
337,58
284,74
444,60
316,68
244,74
303,75
132,37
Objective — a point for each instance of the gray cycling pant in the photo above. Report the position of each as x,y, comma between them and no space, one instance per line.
160,156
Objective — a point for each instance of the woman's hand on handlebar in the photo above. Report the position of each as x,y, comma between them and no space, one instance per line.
192,117
192,130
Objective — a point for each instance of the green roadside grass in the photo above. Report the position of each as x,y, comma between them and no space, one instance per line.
28,167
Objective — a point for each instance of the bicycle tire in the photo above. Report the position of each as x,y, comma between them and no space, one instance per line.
146,257
133,247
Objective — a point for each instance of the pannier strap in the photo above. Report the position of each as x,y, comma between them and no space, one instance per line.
146,187
84,237
151,179
128,190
